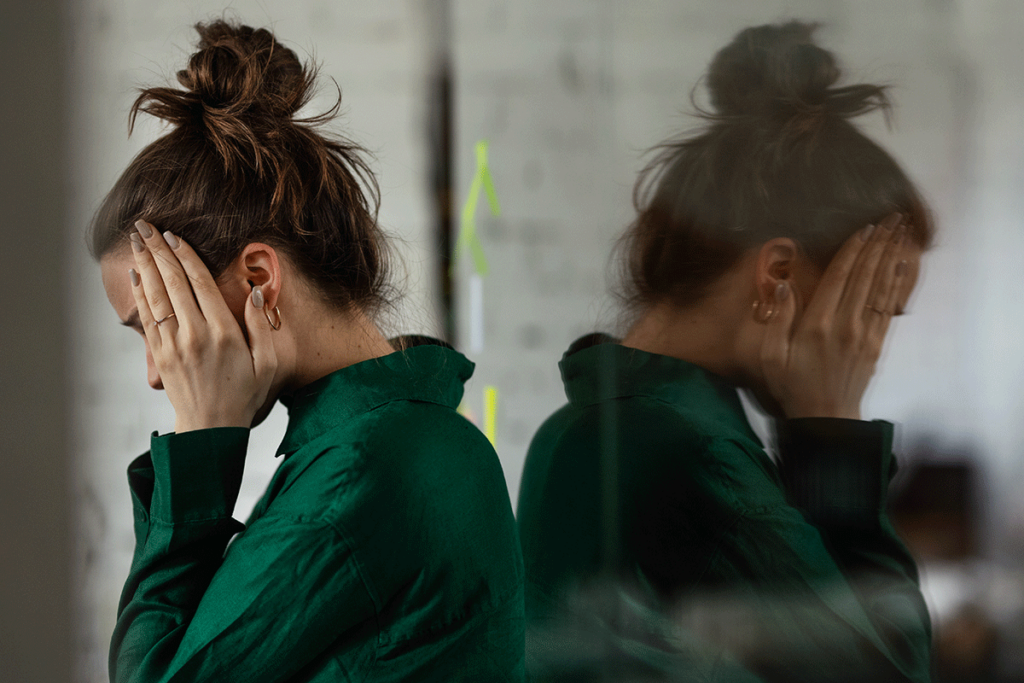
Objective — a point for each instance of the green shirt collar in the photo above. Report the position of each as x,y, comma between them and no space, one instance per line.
428,372
597,368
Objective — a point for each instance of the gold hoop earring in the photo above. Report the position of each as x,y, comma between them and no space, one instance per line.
278,312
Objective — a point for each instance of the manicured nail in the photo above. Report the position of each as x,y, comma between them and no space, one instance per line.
892,220
781,291
257,296
171,240
144,229
865,234
136,240
134,277
901,269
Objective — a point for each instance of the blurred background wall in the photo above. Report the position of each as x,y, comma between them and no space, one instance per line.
569,93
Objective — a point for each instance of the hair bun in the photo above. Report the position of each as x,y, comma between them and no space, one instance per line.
238,68
238,74
778,71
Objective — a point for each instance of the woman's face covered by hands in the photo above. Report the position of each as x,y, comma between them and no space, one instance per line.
823,333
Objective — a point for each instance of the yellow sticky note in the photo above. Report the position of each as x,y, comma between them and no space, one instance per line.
490,412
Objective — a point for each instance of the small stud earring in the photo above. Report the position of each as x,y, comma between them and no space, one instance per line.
760,315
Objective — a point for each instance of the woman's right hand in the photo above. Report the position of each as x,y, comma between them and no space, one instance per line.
818,364
215,375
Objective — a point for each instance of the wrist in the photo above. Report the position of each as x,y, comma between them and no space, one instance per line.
186,424
797,412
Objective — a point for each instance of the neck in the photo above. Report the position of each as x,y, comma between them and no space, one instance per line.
321,341
704,334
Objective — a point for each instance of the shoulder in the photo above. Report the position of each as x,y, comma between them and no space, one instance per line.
654,444
640,426
425,438
419,462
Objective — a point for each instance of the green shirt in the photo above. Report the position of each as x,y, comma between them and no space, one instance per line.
652,475
384,548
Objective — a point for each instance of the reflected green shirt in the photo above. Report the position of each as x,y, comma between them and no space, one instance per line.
384,548
652,474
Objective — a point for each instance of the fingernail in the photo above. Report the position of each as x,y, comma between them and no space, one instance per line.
136,240
865,234
144,229
134,277
781,291
171,239
257,296
901,269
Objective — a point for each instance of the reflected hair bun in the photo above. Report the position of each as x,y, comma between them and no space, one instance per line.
779,72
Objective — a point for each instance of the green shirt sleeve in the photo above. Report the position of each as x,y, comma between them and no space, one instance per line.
837,473
277,599
798,572
813,570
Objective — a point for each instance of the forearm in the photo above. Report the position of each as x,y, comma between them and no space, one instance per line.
836,472
183,495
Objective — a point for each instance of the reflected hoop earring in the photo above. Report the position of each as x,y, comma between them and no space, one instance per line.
278,312
761,316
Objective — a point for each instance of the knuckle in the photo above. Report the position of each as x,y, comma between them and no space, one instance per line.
190,342
157,300
221,341
175,283
198,285
819,331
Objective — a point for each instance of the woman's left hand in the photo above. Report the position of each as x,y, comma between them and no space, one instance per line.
818,364
213,376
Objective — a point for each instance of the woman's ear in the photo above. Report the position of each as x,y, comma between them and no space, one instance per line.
264,269
257,265
775,262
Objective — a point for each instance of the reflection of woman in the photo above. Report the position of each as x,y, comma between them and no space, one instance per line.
384,547
749,265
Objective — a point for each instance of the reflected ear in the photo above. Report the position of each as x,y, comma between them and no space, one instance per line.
258,264
776,260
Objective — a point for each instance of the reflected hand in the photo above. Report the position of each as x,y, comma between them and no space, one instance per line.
820,365
212,375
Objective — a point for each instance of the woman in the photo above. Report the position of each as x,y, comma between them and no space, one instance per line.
242,247
749,266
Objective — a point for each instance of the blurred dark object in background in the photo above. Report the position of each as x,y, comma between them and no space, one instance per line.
936,506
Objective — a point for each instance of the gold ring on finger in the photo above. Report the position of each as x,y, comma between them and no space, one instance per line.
166,317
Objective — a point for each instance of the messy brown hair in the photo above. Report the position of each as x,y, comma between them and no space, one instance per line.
238,167
778,157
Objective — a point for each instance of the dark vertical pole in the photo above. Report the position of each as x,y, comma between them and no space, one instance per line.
442,167
35,509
